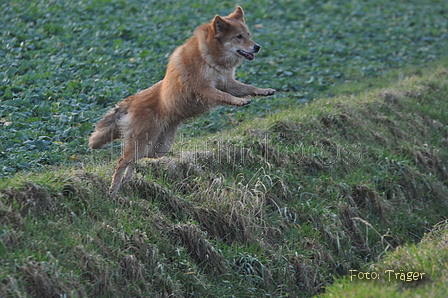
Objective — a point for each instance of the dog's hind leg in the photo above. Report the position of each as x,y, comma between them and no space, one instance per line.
139,147
128,174
165,141
134,149
124,163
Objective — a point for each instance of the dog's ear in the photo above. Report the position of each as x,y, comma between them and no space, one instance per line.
219,24
238,14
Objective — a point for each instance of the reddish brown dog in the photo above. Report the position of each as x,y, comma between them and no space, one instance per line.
200,75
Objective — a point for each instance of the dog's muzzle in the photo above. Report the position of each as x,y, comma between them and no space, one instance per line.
249,55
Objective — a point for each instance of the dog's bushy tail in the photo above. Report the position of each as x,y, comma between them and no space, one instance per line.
107,129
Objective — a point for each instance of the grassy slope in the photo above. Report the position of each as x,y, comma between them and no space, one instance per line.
277,206
425,266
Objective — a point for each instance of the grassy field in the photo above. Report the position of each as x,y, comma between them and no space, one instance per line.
64,63
345,164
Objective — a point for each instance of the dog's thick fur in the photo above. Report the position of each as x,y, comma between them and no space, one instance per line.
200,75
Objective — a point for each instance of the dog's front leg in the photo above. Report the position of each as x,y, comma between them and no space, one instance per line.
220,98
239,89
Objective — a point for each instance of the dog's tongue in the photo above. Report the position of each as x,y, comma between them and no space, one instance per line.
247,55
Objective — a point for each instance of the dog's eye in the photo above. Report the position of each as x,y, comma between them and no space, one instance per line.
239,36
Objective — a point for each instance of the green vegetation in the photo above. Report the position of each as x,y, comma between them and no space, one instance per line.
272,200
64,63
423,272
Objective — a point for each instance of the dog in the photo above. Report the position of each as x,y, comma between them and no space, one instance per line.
200,75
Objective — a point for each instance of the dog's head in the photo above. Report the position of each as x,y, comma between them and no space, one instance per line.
234,36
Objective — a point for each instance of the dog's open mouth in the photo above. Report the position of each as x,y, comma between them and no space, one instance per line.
247,55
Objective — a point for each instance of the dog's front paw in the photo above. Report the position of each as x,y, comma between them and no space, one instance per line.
265,92
239,101
245,101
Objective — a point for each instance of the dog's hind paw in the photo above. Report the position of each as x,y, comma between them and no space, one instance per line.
113,191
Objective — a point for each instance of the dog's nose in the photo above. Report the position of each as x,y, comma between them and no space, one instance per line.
256,48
